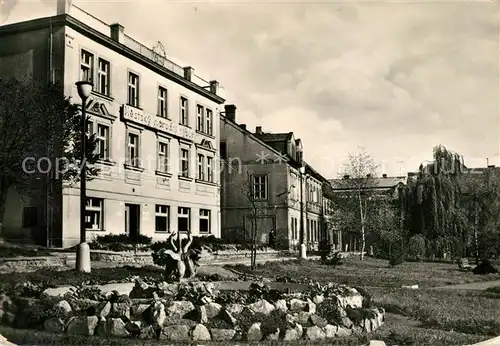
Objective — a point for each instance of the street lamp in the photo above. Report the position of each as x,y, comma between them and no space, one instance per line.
84,89
303,251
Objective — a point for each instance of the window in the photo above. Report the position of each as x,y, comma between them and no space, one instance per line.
133,150
103,141
163,157
199,116
30,217
296,229
223,150
183,222
184,111
204,221
210,173
162,102
103,76
87,66
201,167
292,227
133,90
162,217
208,122
185,163
94,214
260,187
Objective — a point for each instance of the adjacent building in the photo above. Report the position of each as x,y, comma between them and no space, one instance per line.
157,124
265,180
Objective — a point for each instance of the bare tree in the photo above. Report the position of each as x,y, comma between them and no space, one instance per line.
357,183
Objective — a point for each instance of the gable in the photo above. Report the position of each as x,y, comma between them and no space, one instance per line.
99,107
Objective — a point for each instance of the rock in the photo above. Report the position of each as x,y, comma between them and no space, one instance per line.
290,319
58,291
103,309
200,333
147,333
410,287
142,290
201,314
170,321
376,343
212,309
310,307
234,309
63,308
168,289
138,310
206,300
261,307
123,288
302,317
5,342
374,323
346,322
83,304
318,299
291,335
273,336
54,325
300,329
134,328
222,334
82,325
158,315
318,321
121,309
228,317
178,309
315,333
254,333
4,301
330,331
176,333
297,304
367,326
281,305
353,299
112,327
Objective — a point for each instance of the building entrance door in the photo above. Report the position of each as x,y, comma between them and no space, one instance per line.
132,220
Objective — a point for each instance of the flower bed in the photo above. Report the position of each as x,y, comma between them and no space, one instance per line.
196,311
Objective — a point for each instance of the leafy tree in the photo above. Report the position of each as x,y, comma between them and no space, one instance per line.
38,122
354,199
431,205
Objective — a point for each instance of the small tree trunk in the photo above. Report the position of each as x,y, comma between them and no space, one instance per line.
476,242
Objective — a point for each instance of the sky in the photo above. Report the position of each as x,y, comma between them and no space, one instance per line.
394,78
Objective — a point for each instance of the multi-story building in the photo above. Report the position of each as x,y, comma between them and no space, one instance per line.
383,188
266,180
157,125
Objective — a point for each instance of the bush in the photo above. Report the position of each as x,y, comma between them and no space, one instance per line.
334,259
485,267
120,242
417,247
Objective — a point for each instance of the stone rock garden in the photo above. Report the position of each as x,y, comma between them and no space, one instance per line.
192,311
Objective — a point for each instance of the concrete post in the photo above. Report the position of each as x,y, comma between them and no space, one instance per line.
83,258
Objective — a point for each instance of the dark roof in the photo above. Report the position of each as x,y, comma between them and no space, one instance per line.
275,137
377,183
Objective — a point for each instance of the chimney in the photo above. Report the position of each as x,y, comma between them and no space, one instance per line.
117,32
63,6
258,130
346,176
384,175
188,72
230,112
214,87
243,126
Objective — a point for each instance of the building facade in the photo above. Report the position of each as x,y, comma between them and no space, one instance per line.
265,180
157,126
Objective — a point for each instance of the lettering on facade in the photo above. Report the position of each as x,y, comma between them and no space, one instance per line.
158,123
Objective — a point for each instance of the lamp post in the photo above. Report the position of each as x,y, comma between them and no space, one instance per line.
84,89
303,251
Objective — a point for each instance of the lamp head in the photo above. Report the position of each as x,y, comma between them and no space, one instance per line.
84,89
302,170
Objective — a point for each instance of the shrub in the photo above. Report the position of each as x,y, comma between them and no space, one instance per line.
119,242
417,247
329,310
334,259
367,297
485,267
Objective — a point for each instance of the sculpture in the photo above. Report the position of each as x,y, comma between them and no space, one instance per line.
180,260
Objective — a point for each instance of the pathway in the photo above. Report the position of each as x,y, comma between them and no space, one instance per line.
473,286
